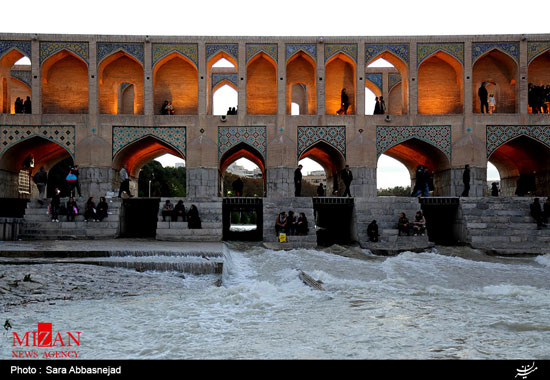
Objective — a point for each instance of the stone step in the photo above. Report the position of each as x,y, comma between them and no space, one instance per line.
48,225
184,225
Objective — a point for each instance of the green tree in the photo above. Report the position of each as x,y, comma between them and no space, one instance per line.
397,191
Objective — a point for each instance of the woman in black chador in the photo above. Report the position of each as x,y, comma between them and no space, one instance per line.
193,219
101,210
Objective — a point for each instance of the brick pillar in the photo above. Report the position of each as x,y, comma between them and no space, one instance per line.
413,78
203,101
360,83
36,85
148,80
321,106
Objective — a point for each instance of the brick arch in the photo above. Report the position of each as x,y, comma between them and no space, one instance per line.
330,159
175,78
440,84
45,151
403,68
500,69
300,69
64,87
538,72
519,158
261,85
116,69
340,72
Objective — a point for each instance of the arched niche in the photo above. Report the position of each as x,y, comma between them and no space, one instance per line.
340,72
522,159
539,75
64,84
440,85
398,99
113,71
500,72
261,85
175,79
414,152
230,97
301,83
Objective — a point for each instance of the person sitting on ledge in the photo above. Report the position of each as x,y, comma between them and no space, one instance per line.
301,225
536,213
101,210
72,209
403,225
372,231
193,219
280,223
167,210
89,210
291,224
419,224
179,210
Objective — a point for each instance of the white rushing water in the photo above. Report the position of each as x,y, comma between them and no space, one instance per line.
411,306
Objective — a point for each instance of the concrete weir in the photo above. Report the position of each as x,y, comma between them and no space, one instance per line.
496,225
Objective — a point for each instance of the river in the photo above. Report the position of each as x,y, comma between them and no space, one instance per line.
446,304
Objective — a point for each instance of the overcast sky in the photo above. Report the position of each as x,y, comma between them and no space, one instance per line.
281,18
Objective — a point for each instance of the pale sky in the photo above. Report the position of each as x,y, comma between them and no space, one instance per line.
281,18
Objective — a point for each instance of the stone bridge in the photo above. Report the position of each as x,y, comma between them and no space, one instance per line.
98,99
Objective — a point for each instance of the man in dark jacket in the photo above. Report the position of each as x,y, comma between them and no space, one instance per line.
536,213
298,181
482,92
41,180
347,177
466,180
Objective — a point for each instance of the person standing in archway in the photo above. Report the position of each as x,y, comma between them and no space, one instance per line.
41,180
124,179
344,101
482,93
466,180
347,177
298,181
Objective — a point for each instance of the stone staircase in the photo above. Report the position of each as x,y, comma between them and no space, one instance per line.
503,225
37,224
210,212
271,209
386,212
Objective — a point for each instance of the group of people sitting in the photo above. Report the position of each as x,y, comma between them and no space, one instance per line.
291,225
417,227
23,107
91,211
167,108
540,212
175,212
539,98
232,111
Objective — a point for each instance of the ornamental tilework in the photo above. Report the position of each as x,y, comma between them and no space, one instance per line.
24,47
217,78
80,49
190,51
535,48
510,48
424,50
63,135
309,49
497,135
438,136
269,49
173,136
213,49
348,49
256,137
105,49
23,75
399,50
393,80
375,78
335,136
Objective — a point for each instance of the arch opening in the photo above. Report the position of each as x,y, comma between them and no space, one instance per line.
175,81
261,85
414,152
242,172
539,84
225,99
340,73
392,177
396,98
498,72
523,165
301,84
14,89
331,161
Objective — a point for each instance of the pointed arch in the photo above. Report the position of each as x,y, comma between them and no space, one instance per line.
261,85
440,84
331,160
64,87
113,71
46,152
300,69
539,75
500,69
340,73
238,151
403,69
